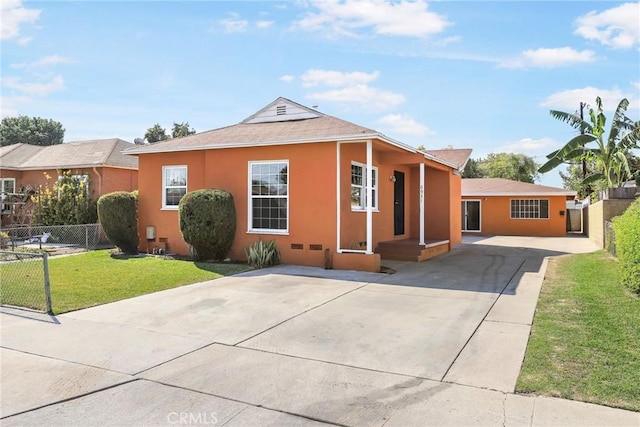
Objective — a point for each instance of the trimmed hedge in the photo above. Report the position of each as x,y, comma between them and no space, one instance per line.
118,214
627,229
208,223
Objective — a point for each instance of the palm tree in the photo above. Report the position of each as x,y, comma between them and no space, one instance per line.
610,156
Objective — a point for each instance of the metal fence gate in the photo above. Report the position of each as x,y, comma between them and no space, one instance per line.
24,280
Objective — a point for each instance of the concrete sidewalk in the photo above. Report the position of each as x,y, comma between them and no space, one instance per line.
437,343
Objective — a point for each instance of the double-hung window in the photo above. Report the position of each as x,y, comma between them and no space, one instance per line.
529,209
7,187
359,186
174,185
269,196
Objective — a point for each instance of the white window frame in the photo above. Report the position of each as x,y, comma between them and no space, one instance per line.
6,207
165,187
251,196
532,211
362,207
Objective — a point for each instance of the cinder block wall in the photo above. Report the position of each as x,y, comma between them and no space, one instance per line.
601,212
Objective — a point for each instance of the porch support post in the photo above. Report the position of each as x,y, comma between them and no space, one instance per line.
369,203
338,197
422,242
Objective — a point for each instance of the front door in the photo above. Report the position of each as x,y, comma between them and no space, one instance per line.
398,203
471,215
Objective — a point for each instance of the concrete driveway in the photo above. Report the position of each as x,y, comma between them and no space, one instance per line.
438,343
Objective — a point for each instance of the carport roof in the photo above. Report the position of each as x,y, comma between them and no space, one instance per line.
507,187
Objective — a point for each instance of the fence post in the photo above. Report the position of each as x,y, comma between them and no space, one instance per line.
86,237
47,285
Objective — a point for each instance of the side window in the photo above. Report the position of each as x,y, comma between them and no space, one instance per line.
174,185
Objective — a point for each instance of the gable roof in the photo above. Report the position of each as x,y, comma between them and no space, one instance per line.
457,156
507,187
279,123
77,154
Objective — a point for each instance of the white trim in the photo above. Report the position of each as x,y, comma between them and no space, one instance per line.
375,206
369,202
421,195
3,195
329,138
464,226
250,228
166,207
539,217
517,194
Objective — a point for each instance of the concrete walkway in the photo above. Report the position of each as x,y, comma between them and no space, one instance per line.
436,343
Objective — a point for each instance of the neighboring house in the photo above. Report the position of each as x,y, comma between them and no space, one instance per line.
496,206
329,192
24,167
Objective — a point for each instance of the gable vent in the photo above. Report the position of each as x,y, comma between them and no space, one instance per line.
281,110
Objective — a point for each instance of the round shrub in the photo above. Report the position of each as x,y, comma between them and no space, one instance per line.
208,223
627,229
118,214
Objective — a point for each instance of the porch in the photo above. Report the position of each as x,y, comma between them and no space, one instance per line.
411,249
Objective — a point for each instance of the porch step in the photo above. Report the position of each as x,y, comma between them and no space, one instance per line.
411,250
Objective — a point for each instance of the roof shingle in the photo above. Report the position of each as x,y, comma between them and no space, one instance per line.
507,187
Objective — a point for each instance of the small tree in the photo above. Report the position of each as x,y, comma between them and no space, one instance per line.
65,202
627,229
156,133
118,214
181,129
208,223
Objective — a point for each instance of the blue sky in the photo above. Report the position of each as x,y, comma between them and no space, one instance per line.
476,74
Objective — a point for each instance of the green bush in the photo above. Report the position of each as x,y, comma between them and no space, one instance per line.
65,202
118,214
263,254
208,223
627,229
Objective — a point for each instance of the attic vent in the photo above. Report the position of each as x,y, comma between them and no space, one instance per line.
281,110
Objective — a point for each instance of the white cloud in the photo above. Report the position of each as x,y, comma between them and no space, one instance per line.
549,58
44,61
617,27
287,78
447,41
405,125
530,146
331,78
12,15
234,24
569,100
361,94
34,89
264,24
11,105
384,17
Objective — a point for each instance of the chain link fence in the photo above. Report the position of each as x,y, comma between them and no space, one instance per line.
24,280
609,237
55,239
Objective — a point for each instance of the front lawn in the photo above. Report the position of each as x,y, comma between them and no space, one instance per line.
94,278
585,340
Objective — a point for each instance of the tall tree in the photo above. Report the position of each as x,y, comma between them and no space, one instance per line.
30,130
573,179
156,133
610,155
517,167
472,170
181,129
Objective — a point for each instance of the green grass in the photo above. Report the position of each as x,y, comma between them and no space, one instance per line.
93,278
585,340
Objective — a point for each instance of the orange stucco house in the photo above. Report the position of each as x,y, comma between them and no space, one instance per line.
496,206
329,192
24,166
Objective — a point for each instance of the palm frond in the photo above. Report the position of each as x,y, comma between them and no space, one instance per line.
572,120
593,178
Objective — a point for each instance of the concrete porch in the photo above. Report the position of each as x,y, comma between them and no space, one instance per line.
411,249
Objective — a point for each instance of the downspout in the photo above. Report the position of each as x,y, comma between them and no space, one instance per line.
338,197
370,197
95,170
422,242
